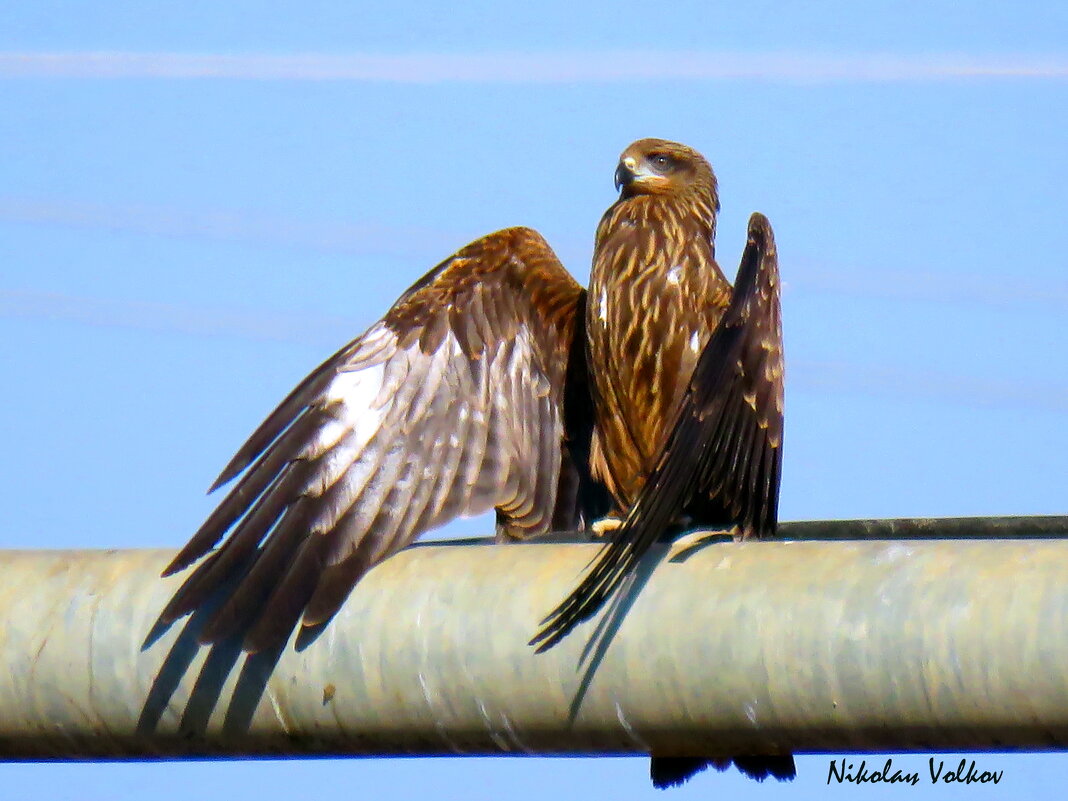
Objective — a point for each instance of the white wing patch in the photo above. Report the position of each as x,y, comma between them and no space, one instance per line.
439,467
356,392
382,442
354,401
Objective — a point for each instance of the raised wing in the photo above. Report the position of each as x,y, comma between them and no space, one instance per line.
722,459
452,404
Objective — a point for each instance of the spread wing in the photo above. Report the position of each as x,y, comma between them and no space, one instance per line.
451,404
722,460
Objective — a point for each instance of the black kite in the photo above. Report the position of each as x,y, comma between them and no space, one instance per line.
495,382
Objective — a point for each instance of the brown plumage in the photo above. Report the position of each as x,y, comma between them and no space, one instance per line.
494,382
687,382
656,294
687,374
452,404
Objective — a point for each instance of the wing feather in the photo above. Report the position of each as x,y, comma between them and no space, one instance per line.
722,458
281,418
452,404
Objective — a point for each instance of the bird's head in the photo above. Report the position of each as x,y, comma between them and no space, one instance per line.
660,167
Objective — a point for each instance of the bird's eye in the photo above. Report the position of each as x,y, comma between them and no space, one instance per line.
662,162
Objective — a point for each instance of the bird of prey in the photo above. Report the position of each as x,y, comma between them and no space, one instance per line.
497,382
686,373
468,395
687,381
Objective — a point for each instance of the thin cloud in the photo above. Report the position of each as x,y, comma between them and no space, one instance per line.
330,332
934,287
421,245
888,382
176,319
228,225
533,68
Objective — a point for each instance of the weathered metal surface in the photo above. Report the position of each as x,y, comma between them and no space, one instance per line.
938,528
730,648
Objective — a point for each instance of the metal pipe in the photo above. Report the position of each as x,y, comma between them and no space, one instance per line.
715,648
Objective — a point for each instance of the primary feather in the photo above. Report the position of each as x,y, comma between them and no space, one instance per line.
452,404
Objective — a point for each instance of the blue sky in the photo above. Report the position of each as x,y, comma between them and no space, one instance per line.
178,251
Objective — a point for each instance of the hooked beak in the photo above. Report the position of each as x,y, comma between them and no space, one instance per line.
625,172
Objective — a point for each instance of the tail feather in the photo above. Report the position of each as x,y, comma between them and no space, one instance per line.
674,771
779,766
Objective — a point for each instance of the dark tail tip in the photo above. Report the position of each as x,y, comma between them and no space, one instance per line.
779,766
674,771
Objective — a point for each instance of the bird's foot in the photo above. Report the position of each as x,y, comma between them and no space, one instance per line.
691,538
605,526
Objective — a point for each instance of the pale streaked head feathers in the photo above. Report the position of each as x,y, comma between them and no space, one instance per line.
660,167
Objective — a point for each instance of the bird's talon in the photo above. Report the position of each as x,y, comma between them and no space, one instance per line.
605,526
